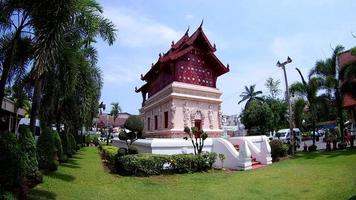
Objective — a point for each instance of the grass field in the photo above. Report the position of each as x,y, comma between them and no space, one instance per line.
308,176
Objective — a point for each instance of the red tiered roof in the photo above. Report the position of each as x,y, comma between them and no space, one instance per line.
165,70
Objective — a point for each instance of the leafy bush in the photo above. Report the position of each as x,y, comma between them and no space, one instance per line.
46,151
72,143
58,145
67,148
312,148
11,162
132,150
153,164
95,140
29,155
142,164
278,149
87,140
134,125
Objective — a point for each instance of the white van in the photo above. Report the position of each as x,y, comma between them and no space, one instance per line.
284,135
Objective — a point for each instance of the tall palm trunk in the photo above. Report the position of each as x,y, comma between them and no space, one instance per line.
36,100
339,112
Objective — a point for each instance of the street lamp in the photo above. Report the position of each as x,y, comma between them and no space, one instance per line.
283,64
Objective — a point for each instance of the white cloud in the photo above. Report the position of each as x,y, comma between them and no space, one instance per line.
137,30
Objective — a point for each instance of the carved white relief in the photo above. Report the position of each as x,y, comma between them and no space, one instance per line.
173,111
186,113
210,117
220,117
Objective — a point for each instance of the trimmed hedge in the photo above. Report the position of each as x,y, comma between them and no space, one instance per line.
278,149
154,164
46,151
67,148
11,162
29,155
58,146
72,143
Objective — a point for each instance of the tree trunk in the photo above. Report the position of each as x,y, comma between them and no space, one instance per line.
339,112
36,101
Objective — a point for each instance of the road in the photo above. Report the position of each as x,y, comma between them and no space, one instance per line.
320,144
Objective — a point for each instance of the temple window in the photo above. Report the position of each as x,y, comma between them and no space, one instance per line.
166,119
156,122
148,124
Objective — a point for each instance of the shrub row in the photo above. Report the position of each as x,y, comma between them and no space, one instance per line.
154,164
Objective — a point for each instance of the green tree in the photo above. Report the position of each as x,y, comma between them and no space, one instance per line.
279,112
309,90
15,44
273,87
327,72
115,110
250,95
133,130
298,110
257,116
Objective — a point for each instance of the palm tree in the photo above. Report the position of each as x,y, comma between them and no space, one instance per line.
73,30
249,94
15,44
115,110
327,71
309,90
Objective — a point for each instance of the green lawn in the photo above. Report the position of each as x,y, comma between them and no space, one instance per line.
308,176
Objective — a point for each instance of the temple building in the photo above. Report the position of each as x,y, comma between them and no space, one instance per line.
180,89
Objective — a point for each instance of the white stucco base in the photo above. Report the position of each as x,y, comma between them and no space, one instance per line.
250,147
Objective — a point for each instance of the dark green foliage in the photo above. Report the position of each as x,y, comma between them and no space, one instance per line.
29,154
95,140
46,151
67,148
58,145
72,143
257,115
278,149
312,148
11,162
134,125
87,140
153,164
132,150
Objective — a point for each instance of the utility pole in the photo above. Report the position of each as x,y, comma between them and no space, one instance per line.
291,132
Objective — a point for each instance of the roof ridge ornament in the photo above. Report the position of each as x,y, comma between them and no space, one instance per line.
186,32
201,24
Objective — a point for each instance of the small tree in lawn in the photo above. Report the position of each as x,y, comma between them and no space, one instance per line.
116,109
222,158
197,137
133,129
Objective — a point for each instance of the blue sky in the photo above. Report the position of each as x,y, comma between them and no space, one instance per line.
251,36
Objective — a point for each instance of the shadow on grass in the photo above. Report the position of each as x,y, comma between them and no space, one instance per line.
61,176
37,194
353,197
327,154
70,165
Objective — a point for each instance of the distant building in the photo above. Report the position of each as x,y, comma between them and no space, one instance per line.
106,120
8,115
181,89
232,126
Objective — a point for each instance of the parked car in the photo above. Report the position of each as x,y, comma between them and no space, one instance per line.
284,135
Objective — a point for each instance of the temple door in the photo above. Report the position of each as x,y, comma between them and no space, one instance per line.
197,123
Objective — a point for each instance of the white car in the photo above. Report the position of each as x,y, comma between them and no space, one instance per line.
284,135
